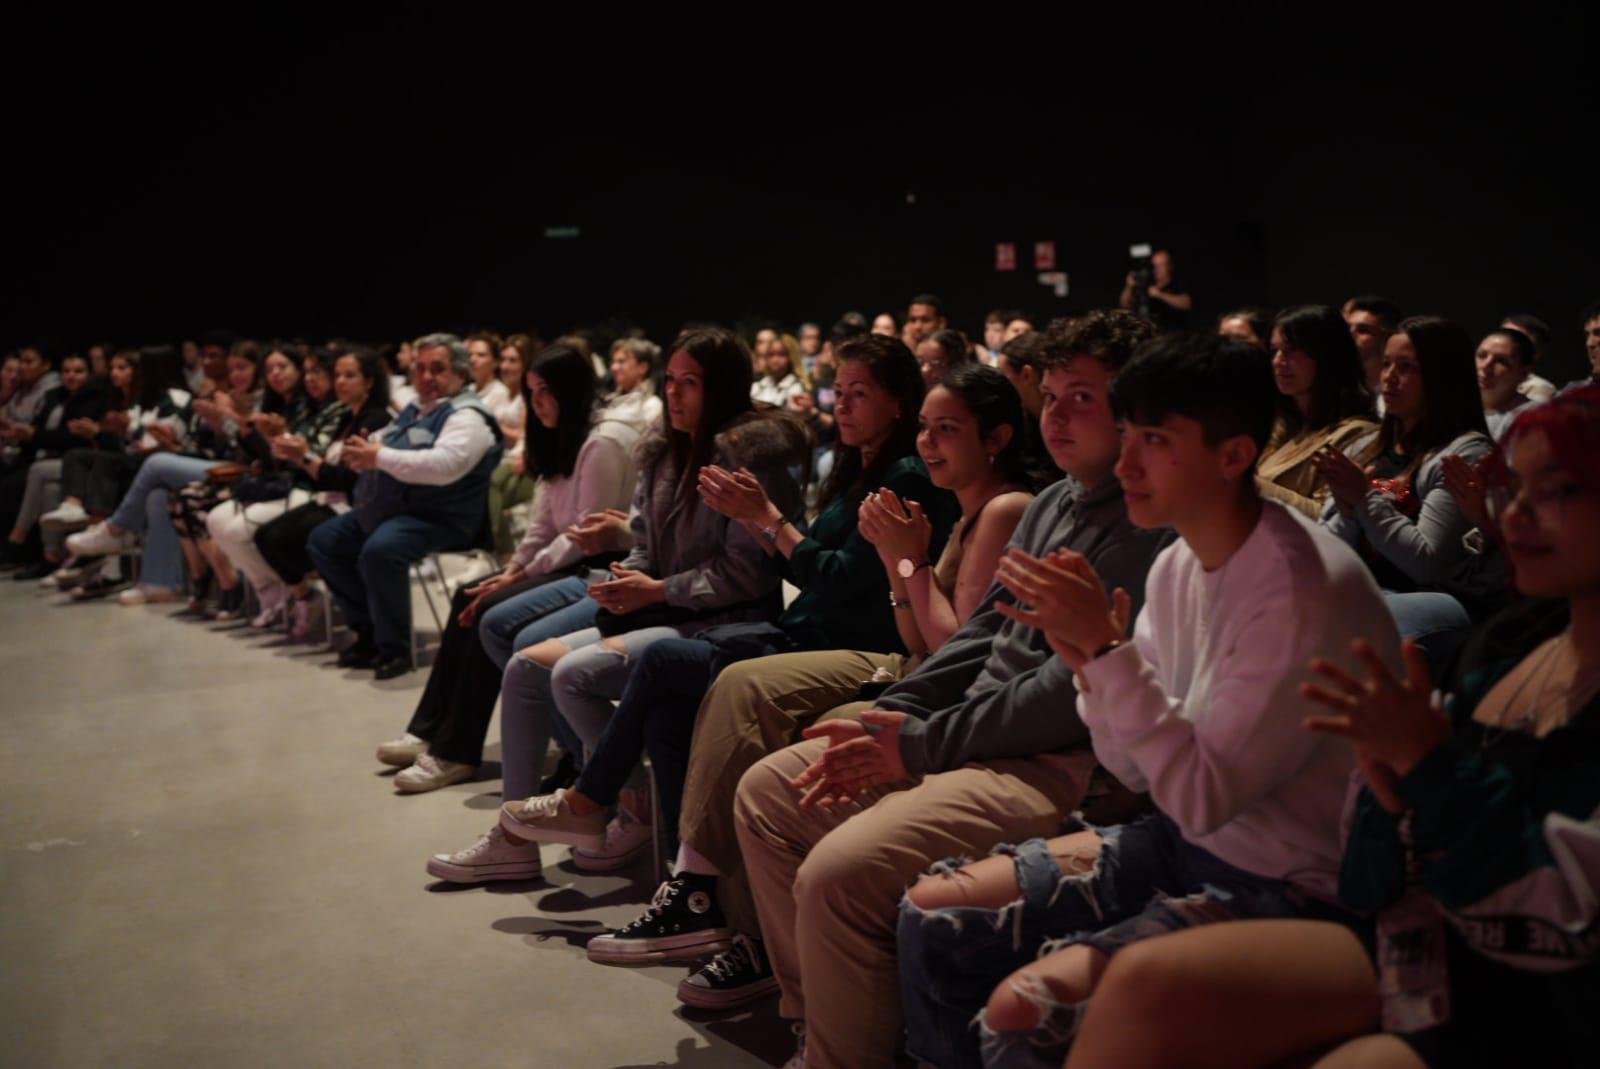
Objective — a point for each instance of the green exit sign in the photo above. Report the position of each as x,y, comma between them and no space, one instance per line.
560,231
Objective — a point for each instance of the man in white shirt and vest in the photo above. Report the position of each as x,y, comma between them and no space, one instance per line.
424,489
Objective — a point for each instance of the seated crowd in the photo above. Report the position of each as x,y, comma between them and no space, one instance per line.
1090,696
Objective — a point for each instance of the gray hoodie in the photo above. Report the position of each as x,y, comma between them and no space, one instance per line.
710,563
995,688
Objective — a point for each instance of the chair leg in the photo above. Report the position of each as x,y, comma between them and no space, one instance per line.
658,864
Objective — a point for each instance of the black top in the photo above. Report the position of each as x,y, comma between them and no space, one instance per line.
51,437
336,478
1165,317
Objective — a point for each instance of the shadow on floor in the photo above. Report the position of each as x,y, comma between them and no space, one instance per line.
536,930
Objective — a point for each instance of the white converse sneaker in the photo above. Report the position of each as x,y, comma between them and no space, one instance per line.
547,818
626,839
492,857
402,751
67,517
97,541
145,594
798,1059
430,773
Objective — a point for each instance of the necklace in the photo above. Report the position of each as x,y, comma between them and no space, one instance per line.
1579,689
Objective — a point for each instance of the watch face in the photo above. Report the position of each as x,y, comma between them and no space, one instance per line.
906,568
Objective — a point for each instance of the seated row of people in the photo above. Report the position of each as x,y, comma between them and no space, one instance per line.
1137,676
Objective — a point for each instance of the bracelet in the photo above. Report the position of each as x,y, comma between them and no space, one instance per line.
771,533
899,603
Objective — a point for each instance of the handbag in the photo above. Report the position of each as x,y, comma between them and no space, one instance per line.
267,486
226,474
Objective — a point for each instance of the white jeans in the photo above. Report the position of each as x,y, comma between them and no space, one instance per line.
234,527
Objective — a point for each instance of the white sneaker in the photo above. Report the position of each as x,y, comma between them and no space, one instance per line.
492,857
798,1059
97,541
430,773
402,751
64,517
626,839
145,594
274,601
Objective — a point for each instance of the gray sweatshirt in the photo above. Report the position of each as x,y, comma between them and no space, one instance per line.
995,688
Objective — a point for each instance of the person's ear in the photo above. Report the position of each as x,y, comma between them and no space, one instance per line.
998,439
1236,456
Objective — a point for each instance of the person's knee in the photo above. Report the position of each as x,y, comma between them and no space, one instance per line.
1144,979
380,557
546,654
841,875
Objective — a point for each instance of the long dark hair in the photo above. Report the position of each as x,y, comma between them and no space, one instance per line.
993,402
160,369
1340,391
893,368
1449,383
552,452
726,373
119,401
272,400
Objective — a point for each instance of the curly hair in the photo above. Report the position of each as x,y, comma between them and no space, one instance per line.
1110,335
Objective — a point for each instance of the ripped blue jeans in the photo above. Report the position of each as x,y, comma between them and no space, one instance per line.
1146,881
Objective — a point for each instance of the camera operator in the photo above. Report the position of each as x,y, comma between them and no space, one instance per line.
1156,294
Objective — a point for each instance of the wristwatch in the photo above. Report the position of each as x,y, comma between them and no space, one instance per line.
771,533
907,567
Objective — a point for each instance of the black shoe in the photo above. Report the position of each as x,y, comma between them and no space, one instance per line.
564,775
732,978
358,655
388,667
97,587
37,570
682,924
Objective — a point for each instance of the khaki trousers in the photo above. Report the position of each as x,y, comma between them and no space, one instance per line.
755,708
828,882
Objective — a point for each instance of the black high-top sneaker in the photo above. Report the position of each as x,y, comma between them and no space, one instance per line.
736,976
683,924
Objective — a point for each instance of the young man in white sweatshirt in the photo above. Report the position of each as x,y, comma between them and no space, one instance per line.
1200,707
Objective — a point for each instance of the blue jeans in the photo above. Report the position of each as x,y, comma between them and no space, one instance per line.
370,575
548,611
1148,880
528,704
144,508
1436,622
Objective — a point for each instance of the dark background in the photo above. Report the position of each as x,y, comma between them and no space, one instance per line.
376,172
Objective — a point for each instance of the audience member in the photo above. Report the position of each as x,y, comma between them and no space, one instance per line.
1397,511
886,324
781,377
33,486
1504,362
924,317
425,481
583,460
1250,324
939,353
1591,346
1473,840
1323,403
1536,331
361,383
36,378
1371,320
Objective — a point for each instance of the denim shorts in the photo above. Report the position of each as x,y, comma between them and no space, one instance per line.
1147,881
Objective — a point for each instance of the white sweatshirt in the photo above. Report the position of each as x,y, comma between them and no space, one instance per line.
1202,708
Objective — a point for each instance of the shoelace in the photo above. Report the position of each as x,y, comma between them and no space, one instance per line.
489,839
542,805
658,904
726,964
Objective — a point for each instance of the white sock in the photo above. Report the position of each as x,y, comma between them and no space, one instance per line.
692,860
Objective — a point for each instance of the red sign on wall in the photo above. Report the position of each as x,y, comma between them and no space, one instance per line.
1005,256
1044,256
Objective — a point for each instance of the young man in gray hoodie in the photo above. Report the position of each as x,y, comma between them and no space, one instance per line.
978,744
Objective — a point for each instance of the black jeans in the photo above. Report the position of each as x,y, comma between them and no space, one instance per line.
98,478
282,541
458,702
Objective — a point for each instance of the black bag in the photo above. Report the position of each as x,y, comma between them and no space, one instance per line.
268,486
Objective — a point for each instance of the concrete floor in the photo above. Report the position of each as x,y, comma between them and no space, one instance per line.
202,865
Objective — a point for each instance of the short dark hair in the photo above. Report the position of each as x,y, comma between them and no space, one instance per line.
1340,388
223,339
849,325
1026,350
929,299
1534,327
1223,384
1110,335
1258,319
1003,315
1591,312
1387,311
1522,346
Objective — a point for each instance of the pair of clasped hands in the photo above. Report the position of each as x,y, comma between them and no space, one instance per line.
1393,722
